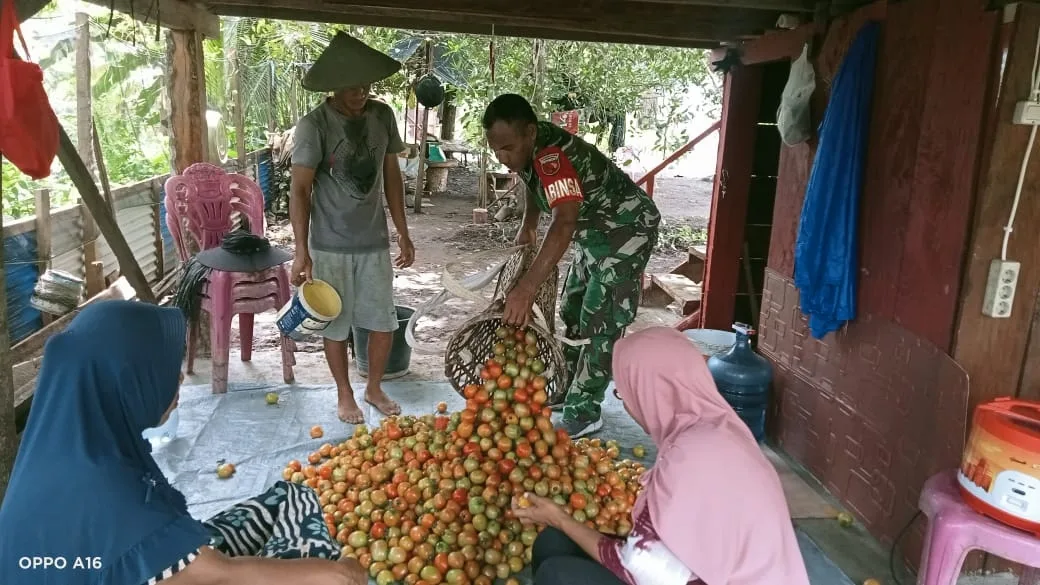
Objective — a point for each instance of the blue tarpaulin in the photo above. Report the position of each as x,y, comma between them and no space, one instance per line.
826,252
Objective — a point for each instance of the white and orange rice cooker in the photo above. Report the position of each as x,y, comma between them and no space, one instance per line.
1000,469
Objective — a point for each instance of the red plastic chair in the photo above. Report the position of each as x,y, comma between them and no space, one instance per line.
200,210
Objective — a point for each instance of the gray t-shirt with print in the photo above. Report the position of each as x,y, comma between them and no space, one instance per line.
347,154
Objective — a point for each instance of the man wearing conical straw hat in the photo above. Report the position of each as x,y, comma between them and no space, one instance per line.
344,163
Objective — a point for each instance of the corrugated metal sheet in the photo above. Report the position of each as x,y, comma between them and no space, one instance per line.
137,226
21,273
134,216
67,241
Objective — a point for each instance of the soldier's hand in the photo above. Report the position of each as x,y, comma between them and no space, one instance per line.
526,237
518,307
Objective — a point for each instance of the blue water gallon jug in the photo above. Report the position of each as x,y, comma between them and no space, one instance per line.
743,378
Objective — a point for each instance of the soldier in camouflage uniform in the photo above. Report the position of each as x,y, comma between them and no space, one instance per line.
613,225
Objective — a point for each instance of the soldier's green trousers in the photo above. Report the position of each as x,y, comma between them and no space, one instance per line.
600,299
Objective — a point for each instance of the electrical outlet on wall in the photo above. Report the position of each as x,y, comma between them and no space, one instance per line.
1000,288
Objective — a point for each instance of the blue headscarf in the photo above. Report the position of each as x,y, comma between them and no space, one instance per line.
84,484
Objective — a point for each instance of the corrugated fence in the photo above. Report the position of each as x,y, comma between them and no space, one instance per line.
141,215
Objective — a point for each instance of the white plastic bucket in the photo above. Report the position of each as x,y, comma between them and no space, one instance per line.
311,309
165,433
711,341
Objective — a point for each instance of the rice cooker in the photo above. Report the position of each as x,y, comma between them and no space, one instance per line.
1000,469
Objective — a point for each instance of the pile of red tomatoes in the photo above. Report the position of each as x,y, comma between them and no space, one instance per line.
427,500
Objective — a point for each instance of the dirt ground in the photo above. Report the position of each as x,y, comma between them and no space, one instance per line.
445,233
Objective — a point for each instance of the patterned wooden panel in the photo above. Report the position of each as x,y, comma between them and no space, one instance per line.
872,411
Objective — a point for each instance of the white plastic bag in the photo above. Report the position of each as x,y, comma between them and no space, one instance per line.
793,118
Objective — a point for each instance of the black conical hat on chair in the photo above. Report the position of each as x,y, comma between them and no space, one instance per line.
347,62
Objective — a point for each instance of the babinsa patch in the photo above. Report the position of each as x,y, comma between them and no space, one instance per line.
550,163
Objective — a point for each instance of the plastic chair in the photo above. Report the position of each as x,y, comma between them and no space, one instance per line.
200,210
954,529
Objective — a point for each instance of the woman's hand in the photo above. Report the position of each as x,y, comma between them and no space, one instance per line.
354,573
538,510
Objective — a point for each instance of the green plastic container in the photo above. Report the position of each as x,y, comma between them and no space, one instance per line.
400,352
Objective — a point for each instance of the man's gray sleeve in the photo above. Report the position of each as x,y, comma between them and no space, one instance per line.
307,145
394,144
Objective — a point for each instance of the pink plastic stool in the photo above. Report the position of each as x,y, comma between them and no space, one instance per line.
200,208
954,529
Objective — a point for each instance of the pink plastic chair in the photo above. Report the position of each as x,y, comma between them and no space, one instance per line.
954,529
200,208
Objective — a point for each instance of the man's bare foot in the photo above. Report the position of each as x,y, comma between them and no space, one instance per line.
377,398
349,412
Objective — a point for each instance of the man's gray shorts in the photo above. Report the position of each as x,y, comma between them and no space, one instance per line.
365,282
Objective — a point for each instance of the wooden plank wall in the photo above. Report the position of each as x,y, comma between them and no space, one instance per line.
997,352
921,163
935,71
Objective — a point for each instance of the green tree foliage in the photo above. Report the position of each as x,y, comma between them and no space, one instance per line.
605,81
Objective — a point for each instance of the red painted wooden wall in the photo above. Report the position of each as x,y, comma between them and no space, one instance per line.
852,407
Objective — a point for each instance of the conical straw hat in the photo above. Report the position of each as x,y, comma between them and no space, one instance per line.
347,62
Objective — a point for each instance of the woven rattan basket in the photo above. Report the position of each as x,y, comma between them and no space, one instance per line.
473,343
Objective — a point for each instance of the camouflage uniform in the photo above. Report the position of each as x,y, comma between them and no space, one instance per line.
615,235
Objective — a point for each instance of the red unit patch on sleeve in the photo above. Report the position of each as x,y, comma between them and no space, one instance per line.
559,179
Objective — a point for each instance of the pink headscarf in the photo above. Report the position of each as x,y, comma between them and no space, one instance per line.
714,499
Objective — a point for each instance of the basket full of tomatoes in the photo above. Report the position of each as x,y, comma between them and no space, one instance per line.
487,352
498,357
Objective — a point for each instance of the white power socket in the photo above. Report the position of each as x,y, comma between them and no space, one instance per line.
1000,288
1027,113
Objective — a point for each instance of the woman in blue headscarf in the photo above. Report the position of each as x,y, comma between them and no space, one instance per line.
87,504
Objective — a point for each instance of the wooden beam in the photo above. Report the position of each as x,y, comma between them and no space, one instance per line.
106,221
665,24
172,14
187,99
425,24
771,5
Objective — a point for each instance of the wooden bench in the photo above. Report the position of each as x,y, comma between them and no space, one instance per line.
452,148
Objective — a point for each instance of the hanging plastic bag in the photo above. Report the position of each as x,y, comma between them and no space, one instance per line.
28,126
793,118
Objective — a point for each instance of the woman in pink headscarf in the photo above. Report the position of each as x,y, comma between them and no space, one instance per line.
712,511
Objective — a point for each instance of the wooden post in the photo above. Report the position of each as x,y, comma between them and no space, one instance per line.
448,111
8,434
90,235
160,247
84,114
187,99
42,215
740,105
270,99
43,228
420,174
237,113
188,119
85,138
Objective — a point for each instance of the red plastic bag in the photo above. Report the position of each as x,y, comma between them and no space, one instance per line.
28,126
